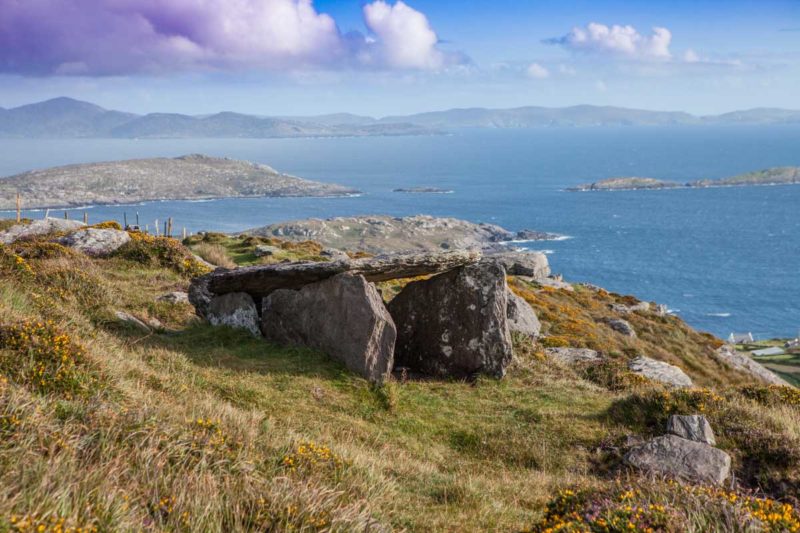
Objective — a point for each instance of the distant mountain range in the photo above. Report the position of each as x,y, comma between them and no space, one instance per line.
69,118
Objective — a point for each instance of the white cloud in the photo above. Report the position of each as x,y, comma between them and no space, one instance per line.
620,41
690,56
537,71
404,36
567,70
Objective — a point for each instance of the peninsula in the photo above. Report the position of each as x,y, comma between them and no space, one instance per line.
770,176
382,233
190,177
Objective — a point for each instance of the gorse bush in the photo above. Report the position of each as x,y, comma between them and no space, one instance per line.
39,356
665,507
162,252
773,395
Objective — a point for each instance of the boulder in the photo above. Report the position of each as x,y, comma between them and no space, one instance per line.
660,371
554,283
175,297
529,264
521,316
681,458
261,280
692,427
343,316
37,228
265,250
621,326
573,356
96,242
455,324
236,310
746,364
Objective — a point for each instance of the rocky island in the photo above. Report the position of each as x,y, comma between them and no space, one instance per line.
381,233
424,190
190,177
770,176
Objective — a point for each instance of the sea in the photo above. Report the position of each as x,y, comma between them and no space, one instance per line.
724,259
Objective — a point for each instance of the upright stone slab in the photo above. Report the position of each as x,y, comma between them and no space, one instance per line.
236,309
529,264
343,316
455,324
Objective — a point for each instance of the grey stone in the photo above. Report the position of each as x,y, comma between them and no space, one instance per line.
529,264
744,363
131,320
622,309
334,254
621,326
260,280
265,250
236,310
521,316
555,283
660,371
96,242
200,296
343,316
573,356
175,297
661,310
455,324
692,427
38,228
681,458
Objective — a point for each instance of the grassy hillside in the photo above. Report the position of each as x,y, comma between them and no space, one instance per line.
107,427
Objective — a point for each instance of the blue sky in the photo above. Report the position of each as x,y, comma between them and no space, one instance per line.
287,57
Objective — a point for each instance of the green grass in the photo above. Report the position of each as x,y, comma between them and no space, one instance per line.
191,429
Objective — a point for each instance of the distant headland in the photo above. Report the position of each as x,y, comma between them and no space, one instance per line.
190,177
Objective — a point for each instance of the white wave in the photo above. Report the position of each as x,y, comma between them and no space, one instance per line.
553,238
721,315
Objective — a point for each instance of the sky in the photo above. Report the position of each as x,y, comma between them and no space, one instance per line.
387,57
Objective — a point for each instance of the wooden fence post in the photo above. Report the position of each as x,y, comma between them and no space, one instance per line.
86,218
19,209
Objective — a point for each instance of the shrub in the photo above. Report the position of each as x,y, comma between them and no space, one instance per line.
772,395
107,224
309,457
161,252
38,355
613,375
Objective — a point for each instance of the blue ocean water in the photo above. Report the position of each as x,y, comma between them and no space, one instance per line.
724,259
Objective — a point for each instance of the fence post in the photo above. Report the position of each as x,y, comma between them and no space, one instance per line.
86,218
19,209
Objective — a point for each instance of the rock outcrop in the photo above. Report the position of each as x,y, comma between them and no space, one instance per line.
259,281
455,324
622,309
681,458
573,356
528,264
521,317
236,310
660,371
96,242
692,427
37,228
744,363
343,316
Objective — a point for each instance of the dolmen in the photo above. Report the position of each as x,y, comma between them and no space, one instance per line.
454,322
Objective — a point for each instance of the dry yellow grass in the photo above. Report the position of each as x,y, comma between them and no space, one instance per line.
214,254
209,429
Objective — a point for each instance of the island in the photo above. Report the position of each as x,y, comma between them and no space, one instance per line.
770,176
190,177
424,190
382,233
625,184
